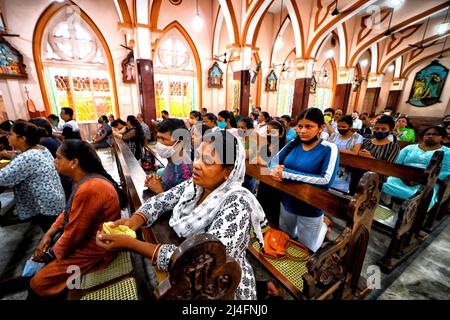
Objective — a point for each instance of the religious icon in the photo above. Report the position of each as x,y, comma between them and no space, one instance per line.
428,85
271,81
215,76
11,61
128,69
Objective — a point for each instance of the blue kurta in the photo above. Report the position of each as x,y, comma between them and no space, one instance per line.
413,156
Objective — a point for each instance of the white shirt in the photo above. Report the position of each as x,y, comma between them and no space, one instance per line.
261,129
357,124
72,124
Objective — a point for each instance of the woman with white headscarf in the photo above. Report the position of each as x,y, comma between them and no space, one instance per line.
213,202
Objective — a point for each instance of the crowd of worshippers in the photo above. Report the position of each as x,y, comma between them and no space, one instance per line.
59,181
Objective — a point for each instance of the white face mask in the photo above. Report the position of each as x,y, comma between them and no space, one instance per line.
165,151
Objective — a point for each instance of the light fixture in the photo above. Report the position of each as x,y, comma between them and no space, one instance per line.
396,3
444,25
197,22
364,63
391,68
335,11
329,54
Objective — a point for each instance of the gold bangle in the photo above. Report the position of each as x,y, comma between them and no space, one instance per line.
155,253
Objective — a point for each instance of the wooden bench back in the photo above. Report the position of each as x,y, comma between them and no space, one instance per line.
199,268
386,168
349,249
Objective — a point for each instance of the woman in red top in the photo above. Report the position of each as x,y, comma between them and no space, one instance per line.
94,200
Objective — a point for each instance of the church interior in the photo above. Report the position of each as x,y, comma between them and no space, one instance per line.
333,182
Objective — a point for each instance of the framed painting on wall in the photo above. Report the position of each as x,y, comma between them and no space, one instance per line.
11,62
128,69
428,85
215,76
271,81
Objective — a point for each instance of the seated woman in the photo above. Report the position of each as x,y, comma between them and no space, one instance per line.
404,130
46,135
418,155
290,132
226,121
103,137
37,187
347,141
171,146
47,140
210,120
197,133
307,159
134,137
119,127
93,201
213,201
261,127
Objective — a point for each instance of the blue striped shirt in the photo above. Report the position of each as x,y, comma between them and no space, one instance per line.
317,167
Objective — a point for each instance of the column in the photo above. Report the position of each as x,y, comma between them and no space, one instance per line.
374,83
395,92
241,79
302,86
343,89
144,65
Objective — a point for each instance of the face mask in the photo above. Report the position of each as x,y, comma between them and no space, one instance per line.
222,124
311,141
328,118
380,135
165,151
343,132
55,124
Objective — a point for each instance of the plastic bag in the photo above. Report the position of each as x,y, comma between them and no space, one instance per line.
31,267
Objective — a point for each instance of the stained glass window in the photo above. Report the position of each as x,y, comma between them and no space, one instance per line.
74,66
175,77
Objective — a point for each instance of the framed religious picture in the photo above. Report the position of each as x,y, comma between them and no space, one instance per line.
11,62
215,76
313,85
428,85
128,69
271,81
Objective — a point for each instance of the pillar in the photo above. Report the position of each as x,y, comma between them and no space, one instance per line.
373,89
343,89
396,90
302,86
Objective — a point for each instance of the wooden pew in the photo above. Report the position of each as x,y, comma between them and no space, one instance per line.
405,236
442,209
336,267
199,269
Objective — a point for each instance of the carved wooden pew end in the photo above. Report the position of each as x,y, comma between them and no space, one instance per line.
200,270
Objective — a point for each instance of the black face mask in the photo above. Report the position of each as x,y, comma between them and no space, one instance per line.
343,131
310,141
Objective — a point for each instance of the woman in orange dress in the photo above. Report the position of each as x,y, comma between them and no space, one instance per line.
94,200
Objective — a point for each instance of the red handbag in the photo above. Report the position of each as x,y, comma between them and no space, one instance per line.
276,243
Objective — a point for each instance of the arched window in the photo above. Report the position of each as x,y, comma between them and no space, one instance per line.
175,73
75,69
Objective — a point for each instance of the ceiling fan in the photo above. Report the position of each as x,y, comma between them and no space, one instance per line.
422,46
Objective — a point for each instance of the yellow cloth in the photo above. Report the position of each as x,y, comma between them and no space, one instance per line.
108,229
